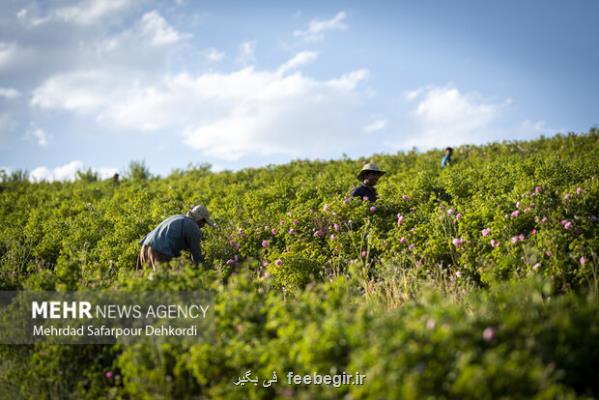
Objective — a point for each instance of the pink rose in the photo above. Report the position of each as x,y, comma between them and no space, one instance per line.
486,231
265,244
363,254
583,260
515,213
399,219
488,334
109,374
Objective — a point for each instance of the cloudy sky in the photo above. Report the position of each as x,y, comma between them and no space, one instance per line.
97,83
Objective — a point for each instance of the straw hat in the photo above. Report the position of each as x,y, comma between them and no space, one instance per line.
369,168
199,213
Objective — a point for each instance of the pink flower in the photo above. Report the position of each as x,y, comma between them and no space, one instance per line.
450,212
295,222
402,240
515,213
517,204
515,239
373,209
567,196
567,224
318,233
363,254
486,231
533,232
109,374
583,260
458,216
411,247
265,244
281,223
544,220
495,243
527,209
488,334
241,232
325,208
279,262
458,242
365,198
273,231
536,267
291,231
399,219
538,189
405,197
578,190
521,237
430,324
265,263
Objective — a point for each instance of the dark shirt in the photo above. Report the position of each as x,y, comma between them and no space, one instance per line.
174,234
364,190
446,160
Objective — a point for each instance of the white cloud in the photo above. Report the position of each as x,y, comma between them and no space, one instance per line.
226,115
77,91
154,28
348,81
9,93
66,172
535,126
8,54
61,173
444,116
247,52
297,61
317,27
40,136
375,126
90,12
213,55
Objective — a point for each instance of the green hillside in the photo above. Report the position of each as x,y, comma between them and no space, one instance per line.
477,281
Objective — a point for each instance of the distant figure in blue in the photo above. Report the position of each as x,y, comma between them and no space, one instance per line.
447,157
368,176
176,233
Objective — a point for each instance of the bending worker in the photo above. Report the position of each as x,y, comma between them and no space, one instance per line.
176,233
368,176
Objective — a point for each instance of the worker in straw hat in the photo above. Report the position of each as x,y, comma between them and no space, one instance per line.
368,177
176,233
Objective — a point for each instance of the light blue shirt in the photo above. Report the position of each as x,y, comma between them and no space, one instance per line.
174,234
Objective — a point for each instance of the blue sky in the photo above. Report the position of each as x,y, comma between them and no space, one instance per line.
91,83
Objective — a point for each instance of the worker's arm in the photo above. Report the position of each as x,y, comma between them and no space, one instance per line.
193,238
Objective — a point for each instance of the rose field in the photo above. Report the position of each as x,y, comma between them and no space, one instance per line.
476,281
